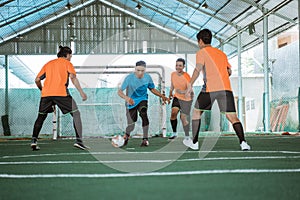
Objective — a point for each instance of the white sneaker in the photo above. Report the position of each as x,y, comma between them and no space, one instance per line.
194,146
189,143
245,146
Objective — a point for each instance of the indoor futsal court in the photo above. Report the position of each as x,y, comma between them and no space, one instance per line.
271,169
149,99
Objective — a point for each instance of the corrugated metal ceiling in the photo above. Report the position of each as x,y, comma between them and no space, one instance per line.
182,17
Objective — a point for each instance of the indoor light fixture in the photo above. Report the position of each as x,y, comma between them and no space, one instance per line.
130,24
251,28
68,6
187,23
70,24
138,6
204,5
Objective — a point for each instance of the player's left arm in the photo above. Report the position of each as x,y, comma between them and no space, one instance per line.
171,91
229,71
157,93
76,83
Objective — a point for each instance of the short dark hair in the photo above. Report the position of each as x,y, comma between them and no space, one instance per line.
205,35
140,63
181,60
63,51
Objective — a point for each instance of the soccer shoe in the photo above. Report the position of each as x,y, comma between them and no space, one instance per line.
194,146
79,145
189,143
245,146
34,145
126,138
172,137
145,143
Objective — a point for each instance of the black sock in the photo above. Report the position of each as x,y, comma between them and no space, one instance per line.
174,125
38,125
195,129
186,129
238,128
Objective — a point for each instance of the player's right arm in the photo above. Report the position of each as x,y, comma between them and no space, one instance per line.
38,83
127,98
121,88
40,76
196,73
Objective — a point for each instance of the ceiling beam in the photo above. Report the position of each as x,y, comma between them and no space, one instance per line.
67,12
6,2
177,18
14,19
282,4
210,14
261,8
123,10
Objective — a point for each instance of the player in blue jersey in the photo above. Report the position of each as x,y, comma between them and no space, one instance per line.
136,85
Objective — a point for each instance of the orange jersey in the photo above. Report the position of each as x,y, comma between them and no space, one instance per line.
180,83
56,74
215,64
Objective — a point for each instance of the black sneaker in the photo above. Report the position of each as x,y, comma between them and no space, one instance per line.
34,145
145,143
80,146
172,137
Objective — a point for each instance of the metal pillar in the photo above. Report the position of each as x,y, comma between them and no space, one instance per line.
266,76
4,118
6,84
299,67
240,81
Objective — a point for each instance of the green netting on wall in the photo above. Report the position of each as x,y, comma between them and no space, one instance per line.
23,110
102,114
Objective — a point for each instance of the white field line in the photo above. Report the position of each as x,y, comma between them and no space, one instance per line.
122,152
122,175
147,161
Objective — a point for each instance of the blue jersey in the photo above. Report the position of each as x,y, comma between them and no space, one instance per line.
137,88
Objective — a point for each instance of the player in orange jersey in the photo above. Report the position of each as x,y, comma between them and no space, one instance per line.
214,65
54,91
182,100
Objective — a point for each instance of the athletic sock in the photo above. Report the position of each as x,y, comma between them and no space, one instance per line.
174,125
186,129
195,129
238,128
145,131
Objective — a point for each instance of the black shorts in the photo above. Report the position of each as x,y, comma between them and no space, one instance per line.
65,104
132,113
224,98
184,106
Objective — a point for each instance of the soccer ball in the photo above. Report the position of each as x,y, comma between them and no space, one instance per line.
117,141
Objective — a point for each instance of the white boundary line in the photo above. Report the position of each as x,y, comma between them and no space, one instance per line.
148,161
149,152
120,175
